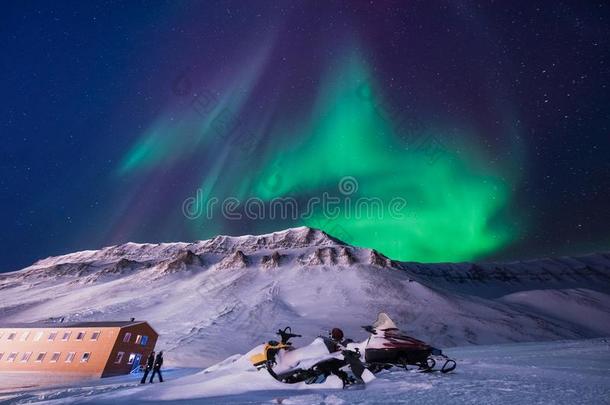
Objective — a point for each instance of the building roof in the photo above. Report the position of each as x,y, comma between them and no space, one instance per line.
57,324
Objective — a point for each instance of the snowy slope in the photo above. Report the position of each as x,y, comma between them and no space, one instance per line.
562,372
216,297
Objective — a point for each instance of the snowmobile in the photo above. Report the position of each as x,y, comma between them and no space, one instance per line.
311,364
388,347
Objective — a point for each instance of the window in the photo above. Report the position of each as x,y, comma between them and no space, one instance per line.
95,335
40,357
38,336
80,335
55,357
144,340
70,357
25,335
119,357
138,339
11,357
66,336
52,335
1,355
85,358
1,334
127,337
11,336
26,356
132,357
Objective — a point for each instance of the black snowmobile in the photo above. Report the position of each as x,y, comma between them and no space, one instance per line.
311,364
388,347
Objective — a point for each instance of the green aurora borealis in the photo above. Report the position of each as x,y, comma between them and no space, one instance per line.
133,123
452,202
456,205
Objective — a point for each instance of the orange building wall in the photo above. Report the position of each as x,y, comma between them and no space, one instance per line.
130,347
99,349
103,351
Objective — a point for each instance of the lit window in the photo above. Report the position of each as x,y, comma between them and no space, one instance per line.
38,336
144,340
80,335
138,339
70,357
11,336
66,336
25,336
127,337
85,358
26,356
132,357
55,357
52,335
95,335
119,357
11,357
40,356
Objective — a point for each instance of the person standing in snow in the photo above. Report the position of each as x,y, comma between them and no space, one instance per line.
334,343
150,361
157,367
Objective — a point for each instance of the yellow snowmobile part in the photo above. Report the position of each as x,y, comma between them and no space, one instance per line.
261,358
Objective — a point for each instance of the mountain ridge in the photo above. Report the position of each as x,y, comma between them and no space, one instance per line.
195,293
300,237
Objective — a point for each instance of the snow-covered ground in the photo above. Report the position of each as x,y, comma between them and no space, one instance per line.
561,372
210,299
197,294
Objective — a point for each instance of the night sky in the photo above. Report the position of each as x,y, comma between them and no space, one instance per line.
491,121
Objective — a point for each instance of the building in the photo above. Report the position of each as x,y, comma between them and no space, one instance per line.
86,348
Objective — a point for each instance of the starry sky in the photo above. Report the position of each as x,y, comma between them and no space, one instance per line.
488,120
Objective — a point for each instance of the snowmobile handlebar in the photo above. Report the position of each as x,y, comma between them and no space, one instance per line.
286,334
370,329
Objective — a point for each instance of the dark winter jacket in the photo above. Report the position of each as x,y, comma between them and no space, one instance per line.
150,361
334,345
158,361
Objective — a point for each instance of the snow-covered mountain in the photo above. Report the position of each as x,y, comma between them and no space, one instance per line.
213,298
